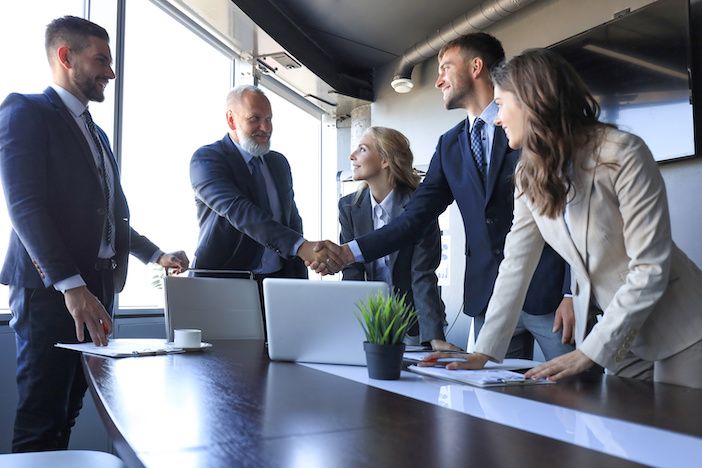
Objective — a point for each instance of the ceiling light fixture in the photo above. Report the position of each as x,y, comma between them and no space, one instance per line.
402,85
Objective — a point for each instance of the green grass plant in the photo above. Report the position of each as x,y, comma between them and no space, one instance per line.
386,318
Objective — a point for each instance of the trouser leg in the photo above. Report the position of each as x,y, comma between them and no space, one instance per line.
683,368
50,381
541,328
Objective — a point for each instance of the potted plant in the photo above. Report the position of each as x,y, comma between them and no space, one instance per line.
385,320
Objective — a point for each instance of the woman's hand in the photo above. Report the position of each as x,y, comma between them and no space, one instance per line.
558,368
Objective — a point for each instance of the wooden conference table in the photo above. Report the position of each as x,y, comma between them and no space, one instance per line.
231,406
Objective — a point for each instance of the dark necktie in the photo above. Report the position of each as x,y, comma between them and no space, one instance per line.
259,181
103,174
476,147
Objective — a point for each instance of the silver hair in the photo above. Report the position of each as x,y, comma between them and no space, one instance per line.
235,96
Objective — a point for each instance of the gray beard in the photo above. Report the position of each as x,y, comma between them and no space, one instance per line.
250,145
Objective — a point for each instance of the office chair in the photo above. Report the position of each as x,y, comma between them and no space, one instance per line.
222,307
61,459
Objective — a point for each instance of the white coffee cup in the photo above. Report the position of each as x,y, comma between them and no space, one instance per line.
187,338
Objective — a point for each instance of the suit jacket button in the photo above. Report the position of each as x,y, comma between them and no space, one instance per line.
101,211
497,251
490,221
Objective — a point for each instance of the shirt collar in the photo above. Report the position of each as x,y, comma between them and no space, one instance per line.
488,115
245,154
70,101
386,205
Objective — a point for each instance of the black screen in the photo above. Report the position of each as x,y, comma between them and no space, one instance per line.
637,68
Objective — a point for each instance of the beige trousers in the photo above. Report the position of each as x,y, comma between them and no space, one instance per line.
683,368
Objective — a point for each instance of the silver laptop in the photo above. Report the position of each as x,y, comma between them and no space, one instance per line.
315,321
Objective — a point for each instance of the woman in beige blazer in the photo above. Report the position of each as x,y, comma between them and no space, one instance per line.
595,194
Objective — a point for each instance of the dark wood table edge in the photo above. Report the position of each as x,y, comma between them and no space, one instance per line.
119,442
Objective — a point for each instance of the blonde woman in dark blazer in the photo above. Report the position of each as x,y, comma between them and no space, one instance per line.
596,195
383,160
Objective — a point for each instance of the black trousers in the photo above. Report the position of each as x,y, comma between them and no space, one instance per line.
50,381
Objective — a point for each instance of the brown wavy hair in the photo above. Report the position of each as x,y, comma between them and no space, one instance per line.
561,115
394,147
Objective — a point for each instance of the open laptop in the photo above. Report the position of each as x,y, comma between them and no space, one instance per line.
315,321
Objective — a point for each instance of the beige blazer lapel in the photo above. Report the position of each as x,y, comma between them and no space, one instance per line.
579,207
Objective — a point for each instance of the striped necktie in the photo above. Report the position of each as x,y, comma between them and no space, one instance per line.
103,174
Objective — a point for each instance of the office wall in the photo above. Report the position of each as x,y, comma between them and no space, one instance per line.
422,117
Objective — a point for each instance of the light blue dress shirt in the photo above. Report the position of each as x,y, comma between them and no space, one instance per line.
381,214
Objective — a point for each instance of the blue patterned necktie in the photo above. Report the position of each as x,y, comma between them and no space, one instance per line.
103,174
260,191
476,147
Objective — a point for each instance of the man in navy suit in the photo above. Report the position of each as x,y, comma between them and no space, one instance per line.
71,235
244,197
473,165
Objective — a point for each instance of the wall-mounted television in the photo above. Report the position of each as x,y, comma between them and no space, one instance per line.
641,67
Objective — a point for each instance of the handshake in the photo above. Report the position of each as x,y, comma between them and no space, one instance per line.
325,257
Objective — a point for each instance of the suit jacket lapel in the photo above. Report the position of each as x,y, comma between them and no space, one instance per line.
468,161
361,213
579,207
497,157
70,121
239,168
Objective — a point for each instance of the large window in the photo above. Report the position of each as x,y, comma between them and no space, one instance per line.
26,70
175,85
297,135
174,89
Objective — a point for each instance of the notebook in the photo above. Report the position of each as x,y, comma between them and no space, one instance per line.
315,321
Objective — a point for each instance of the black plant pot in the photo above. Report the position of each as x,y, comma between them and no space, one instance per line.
384,361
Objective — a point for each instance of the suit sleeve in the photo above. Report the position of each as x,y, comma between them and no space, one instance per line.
429,200
25,178
643,206
425,290
140,246
355,271
210,181
523,247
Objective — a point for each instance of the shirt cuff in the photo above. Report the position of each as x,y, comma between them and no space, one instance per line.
297,246
356,251
71,282
154,258
567,295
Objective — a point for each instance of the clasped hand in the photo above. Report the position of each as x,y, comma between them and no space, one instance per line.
325,257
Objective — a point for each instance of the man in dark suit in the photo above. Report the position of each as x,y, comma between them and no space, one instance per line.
71,235
244,197
473,165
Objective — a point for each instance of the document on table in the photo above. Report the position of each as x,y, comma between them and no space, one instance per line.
507,364
480,378
129,347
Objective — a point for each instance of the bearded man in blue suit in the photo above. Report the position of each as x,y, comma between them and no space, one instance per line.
244,197
71,235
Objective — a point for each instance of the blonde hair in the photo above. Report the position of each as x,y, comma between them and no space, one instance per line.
394,147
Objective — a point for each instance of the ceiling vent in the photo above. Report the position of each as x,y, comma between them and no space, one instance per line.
279,59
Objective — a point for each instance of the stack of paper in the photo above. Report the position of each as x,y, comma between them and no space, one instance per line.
481,378
127,347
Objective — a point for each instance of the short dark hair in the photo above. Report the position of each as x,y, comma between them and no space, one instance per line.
72,30
484,45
